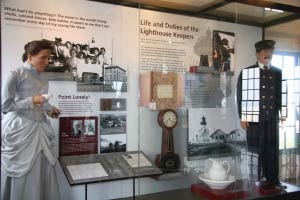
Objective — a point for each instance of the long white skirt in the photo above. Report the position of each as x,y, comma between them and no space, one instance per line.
39,184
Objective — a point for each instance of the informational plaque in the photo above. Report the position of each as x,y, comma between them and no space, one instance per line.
164,91
85,171
137,160
78,135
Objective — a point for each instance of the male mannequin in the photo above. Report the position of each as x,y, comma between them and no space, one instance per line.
262,129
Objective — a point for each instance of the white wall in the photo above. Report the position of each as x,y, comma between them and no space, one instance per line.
150,132
143,132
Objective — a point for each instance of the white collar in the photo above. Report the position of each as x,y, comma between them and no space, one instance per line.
262,65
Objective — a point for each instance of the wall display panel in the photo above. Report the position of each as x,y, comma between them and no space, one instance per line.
77,90
175,43
78,78
78,135
170,43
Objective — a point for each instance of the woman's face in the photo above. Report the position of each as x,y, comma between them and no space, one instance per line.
41,60
72,53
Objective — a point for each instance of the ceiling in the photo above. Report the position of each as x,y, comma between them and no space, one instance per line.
250,12
283,16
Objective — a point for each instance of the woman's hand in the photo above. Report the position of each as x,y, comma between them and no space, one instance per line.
54,113
38,100
244,124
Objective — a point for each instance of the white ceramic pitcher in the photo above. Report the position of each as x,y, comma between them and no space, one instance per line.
217,171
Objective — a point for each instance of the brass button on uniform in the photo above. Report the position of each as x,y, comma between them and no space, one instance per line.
270,77
264,77
263,97
264,106
263,86
271,97
271,87
271,107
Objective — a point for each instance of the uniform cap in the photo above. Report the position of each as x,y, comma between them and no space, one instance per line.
264,44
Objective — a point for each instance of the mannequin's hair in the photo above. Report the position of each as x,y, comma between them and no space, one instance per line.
34,47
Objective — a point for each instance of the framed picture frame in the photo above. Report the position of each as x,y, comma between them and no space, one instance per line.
223,50
78,135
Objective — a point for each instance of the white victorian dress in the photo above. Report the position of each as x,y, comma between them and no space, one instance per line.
27,150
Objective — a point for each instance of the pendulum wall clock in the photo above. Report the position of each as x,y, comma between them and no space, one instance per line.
167,160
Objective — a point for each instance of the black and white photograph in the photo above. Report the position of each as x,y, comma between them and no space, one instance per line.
78,135
88,63
213,134
112,124
223,51
89,127
113,104
115,79
112,78
77,61
112,143
77,127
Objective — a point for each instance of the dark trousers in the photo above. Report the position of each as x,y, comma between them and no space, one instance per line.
263,138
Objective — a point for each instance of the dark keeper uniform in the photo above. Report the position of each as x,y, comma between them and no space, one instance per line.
263,136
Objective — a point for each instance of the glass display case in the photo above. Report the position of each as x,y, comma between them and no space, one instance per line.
162,104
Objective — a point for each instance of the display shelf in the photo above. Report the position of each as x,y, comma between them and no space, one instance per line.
291,193
238,189
170,175
204,69
265,188
115,165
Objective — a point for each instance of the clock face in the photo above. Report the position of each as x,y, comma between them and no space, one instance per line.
169,119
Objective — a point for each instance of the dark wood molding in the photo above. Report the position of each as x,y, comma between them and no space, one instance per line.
268,4
202,14
146,6
212,7
281,20
229,19
198,14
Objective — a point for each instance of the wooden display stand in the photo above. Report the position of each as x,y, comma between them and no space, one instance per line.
237,190
266,188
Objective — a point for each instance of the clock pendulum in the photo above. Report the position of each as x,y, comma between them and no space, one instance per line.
167,160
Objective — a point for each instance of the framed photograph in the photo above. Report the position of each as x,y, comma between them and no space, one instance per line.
212,133
101,77
89,127
223,51
113,104
77,129
78,135
112,124
163,89
113,143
